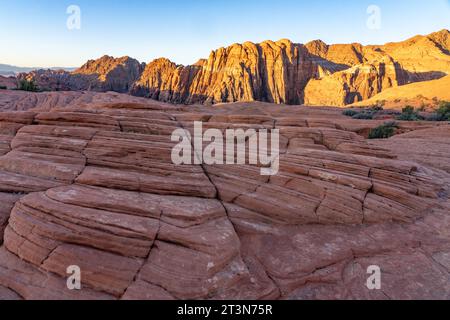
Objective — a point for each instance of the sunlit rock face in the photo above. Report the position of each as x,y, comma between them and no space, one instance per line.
290,73
279,72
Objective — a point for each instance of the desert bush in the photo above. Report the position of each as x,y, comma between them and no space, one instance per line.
27,85
384,131
409,114
433,117
350,112
443,111
363,116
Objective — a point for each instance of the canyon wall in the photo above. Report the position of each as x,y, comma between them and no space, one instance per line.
279,72
285,72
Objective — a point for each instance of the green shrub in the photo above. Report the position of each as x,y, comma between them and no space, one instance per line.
384,131
363,116
28,85
433,117
350,113
443,111
409,114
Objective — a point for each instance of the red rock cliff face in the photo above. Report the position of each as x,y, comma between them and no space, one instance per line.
284,72
277,72
271,71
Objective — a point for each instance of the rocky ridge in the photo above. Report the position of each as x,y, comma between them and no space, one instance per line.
101,75
279,72
290,73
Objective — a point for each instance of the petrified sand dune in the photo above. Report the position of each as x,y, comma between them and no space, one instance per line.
94,186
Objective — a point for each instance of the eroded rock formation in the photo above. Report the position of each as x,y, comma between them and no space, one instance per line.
104,74
285,72
94,186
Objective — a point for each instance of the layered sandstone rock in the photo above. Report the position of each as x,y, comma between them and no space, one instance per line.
270,71
95,187
13,100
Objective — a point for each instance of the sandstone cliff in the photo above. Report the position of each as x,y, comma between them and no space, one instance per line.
280,72
285,72
270,71
111,74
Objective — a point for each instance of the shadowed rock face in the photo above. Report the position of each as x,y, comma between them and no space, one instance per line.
104,74
111,74
94,186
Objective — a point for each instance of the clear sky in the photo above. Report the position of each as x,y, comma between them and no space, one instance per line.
34,33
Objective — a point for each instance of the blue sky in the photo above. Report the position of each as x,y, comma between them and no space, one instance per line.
34,32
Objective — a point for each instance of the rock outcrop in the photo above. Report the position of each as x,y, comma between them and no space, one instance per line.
104,74
95,187
111,74
8,82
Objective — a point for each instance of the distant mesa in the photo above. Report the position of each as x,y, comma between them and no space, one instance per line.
279,72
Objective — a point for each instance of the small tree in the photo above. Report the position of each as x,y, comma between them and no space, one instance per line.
28,85
384,131
443,111
409,114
